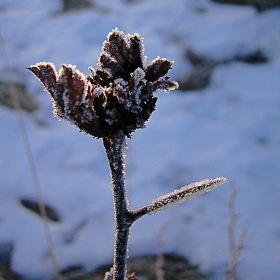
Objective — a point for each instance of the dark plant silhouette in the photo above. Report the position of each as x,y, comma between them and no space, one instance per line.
111,103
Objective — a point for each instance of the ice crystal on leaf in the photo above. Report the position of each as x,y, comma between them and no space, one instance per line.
117,96
183,194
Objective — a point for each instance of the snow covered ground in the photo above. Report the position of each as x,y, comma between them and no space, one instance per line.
231,128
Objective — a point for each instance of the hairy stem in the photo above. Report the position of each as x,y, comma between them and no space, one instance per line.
114,147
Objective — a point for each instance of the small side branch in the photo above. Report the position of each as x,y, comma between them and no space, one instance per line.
177,196
231,270
234,248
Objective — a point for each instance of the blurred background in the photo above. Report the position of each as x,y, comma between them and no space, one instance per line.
223,121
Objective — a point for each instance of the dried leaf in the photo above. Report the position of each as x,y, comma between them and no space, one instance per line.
157,69
183,194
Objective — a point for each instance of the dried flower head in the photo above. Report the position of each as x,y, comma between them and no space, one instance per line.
117,96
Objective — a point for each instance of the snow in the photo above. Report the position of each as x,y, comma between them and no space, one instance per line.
230,128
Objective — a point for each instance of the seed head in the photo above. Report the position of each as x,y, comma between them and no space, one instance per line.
117,96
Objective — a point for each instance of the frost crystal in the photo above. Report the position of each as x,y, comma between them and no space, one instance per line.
117,96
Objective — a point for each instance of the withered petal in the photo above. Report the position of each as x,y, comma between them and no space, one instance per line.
106,63
136,56
164,83
157,68
116,45
71,85
46,73
102,78
118,96
122,54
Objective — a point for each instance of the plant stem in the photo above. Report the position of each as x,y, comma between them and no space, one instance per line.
124,218
114,147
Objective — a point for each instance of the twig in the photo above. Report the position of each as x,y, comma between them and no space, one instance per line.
234,248
160,258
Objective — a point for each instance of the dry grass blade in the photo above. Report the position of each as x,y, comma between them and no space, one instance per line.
29,154
234,248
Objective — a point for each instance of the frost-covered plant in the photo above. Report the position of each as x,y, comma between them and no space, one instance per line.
111,103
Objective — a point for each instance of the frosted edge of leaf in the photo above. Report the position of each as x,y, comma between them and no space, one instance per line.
79,76
142,48
105,42
165,84
110,59
138,75
76,76
44,64
41,73
126,38
66,67
183,194
172,86
119,32
162,59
